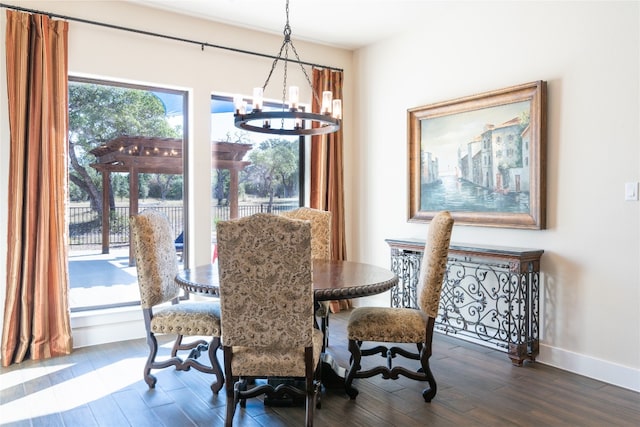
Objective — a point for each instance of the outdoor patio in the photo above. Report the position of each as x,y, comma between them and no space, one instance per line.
97,279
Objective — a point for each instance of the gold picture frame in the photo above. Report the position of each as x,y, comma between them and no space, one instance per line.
481,157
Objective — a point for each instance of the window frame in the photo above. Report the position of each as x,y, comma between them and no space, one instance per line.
72,78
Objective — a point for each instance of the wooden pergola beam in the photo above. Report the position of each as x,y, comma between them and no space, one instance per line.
139,154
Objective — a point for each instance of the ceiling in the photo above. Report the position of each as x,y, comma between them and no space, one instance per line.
348,24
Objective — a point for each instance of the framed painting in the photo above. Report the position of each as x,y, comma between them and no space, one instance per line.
481,157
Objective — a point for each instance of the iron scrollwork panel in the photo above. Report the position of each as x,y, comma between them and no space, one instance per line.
406,265
488,301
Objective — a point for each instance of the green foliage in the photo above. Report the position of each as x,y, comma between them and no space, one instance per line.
273,170
143,185
221,180
164,186
100,113
120,185
76,194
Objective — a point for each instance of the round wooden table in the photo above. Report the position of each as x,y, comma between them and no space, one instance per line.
332,280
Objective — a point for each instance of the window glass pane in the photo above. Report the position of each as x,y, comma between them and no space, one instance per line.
115,129
252,172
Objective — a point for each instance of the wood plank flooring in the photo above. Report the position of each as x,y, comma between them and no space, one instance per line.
477,386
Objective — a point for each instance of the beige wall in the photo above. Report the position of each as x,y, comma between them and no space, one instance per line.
588,52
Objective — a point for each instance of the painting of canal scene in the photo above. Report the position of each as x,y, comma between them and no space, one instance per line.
481,158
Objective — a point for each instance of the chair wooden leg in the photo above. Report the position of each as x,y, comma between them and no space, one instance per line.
325,330
430,392
241,385
153,351
309,401
229,386
231,402
217,385
231,408
317,383
176,346
356,355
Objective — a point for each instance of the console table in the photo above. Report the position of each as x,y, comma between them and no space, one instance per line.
490,294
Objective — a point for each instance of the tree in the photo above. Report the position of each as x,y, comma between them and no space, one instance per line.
222,177
120,185
100,113
274,166
164,186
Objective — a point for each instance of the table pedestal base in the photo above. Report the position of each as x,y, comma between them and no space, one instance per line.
285,401
333,375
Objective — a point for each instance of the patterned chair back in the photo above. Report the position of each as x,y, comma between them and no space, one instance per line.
320,229
266,288
156,260
434,262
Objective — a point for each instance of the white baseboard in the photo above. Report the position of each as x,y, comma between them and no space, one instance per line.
602,370
105,326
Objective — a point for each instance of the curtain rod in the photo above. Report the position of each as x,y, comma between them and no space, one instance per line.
163,36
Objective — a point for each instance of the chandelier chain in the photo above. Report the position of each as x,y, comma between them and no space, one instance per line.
324,122
285,47
273,65
313,92
284,82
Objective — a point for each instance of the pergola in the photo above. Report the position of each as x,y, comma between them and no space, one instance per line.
140,154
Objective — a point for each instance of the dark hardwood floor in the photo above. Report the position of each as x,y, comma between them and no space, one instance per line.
477,386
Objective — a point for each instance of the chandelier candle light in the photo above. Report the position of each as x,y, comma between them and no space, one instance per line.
291,118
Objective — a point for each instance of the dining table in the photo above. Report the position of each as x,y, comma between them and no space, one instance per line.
332,280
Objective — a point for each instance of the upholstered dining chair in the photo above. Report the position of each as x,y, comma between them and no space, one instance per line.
320,249
157,266
404,325
267,318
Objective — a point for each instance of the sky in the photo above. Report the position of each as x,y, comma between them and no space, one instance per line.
442,136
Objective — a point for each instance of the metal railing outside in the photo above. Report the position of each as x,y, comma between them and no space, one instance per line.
85,227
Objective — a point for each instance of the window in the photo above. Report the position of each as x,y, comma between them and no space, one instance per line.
254,172
110,125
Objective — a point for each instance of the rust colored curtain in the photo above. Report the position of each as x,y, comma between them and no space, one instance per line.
327,179
36,317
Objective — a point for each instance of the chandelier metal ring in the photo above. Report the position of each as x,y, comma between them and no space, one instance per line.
328,124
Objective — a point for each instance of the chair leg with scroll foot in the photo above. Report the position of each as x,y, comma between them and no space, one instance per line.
403,325
153,351
232,400
430,392
157,267
356,356
217,385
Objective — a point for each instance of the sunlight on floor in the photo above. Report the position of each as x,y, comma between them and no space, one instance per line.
76,391
19,376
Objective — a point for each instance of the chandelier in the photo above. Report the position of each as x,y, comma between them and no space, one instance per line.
292,115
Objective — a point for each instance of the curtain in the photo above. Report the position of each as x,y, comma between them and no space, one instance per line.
36,317
327,180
